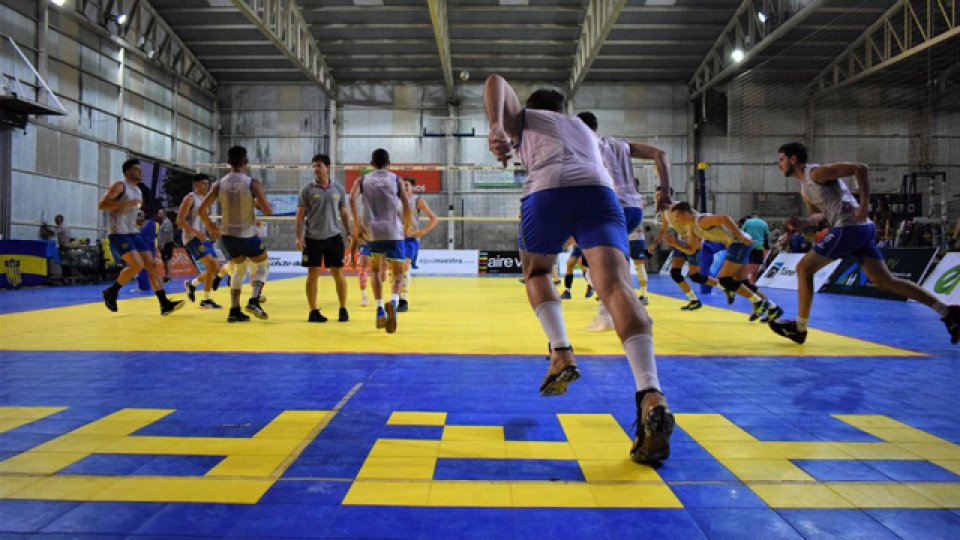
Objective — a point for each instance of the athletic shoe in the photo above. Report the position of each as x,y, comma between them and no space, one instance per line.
952,320
772,314
589,291
692,305
403,306
344,316
731,295
556,384
316,316
644,300
391,322
759,309
169,307
654,426
208,303
381,317
191,290
216,282
600,323
565,295
110,299
788,329
237,316
253,308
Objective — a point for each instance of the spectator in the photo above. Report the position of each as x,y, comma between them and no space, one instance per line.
759,230
62,231
165,242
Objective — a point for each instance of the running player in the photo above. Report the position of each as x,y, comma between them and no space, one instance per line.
827,196
568,191
319,205
721,228
386,214
122,202
575,258
197,244
411,242
238,195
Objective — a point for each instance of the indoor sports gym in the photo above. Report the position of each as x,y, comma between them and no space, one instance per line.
329,269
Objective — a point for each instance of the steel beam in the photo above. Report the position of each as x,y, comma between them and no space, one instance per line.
283,23
746,32
907,28
441,33
600,18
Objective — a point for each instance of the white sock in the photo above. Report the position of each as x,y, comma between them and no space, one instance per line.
691,295
802,323
551,319
942,309
195,281
639,349
755,298
395,298
380,302
602,310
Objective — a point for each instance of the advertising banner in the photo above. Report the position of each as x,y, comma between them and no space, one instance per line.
447,262
181,264
427,175
944,280
782,273
499,262
905,263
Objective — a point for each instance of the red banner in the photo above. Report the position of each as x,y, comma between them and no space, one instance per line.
428,181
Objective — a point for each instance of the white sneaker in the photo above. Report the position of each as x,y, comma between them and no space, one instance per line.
600,323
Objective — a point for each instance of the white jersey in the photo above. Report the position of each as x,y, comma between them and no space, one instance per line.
382,209
193,218
237,206
717,233
124,221
616,156
834,199
558,152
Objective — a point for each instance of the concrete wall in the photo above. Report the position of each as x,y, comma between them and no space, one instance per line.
118,104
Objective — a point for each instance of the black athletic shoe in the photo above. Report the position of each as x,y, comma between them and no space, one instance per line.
731,295
772,314
788,329
316,316
654,425
253,308
216,282
759,309
169,307
692,305
343,316
110,299
952,320
391,323
403,306
209,304
237,316
565,295
191,290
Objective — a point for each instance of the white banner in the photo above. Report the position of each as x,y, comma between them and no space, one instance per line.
944,280
286,262
782,273
448,262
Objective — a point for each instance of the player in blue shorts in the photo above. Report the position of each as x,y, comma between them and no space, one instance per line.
569,192
386,214
575,258
828,197
411,242
197,243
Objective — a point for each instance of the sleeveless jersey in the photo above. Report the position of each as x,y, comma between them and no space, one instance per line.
382,210
834,199
193,218
559,151
236,206
125,221
717,233
616,156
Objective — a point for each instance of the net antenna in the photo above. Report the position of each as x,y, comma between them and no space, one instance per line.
15,105
441,126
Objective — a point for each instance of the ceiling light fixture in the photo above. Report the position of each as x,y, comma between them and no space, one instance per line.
58,3
763,17
737,55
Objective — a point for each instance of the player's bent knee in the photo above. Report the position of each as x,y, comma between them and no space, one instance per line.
729,283
697,277
676,275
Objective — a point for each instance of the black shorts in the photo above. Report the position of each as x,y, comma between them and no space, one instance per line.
166,251
756,256
327,252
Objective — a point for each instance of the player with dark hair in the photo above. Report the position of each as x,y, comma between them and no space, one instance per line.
412,236
198,245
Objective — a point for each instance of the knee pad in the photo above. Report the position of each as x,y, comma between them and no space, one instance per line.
729,283
259,270
698,278
746,283
676,275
